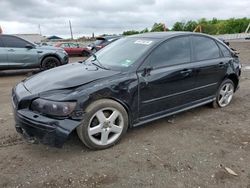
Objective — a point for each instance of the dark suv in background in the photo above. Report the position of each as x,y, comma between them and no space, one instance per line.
102,42
17,53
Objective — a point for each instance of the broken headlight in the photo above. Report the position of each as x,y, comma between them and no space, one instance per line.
53,108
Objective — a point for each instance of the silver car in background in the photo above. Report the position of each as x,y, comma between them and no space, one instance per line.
17,53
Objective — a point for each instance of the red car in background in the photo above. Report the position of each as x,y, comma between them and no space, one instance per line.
74,49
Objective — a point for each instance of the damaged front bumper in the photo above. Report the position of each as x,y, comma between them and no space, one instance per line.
35,127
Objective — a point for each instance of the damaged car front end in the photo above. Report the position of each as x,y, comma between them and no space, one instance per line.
47,109
32,115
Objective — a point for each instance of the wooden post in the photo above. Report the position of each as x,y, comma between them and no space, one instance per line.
248,27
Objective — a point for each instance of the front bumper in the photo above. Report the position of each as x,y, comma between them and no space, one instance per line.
34,126
43,129
65,60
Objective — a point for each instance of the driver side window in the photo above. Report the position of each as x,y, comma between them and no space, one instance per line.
172,52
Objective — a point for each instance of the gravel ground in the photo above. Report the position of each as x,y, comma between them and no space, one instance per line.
191,149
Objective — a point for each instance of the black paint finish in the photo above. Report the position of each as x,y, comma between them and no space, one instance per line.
147,93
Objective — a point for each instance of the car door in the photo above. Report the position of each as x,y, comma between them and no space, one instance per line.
167,78
19,56
66,47
3,55
73,48
211,65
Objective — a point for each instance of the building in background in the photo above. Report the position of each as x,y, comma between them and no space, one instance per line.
35,38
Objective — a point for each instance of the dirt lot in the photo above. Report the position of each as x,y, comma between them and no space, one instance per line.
190,149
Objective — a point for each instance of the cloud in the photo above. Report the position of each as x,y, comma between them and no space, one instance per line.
109,16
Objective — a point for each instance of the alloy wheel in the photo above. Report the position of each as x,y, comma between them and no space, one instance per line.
105,126
226,94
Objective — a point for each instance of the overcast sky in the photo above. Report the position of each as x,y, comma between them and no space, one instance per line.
109,16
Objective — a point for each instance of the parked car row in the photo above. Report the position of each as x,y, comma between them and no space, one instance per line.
17,53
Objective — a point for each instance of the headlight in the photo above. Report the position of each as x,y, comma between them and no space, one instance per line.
52,107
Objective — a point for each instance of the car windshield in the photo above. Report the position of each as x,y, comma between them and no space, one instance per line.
123,53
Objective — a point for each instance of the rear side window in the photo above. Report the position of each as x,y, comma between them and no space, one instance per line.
172,52
224,50
13,42
205,48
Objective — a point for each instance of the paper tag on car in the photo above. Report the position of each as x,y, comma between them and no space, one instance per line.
144,42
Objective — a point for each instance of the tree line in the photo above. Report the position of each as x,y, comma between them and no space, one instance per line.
212,27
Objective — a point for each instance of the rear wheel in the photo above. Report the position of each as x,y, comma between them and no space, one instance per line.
49,62
224,94
106,121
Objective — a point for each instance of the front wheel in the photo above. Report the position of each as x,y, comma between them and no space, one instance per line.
224,94
105,122
49,63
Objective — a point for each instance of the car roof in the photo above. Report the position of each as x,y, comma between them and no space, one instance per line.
165,35
108,37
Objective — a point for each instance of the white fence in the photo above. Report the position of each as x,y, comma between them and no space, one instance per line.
234,36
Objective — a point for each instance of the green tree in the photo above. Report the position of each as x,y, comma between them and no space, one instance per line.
190,26
144,30
178,26
131,32
158,27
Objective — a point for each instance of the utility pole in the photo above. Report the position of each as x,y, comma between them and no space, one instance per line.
70,30
39,27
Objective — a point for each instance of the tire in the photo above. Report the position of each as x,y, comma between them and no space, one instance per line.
85,54
224,95
49,62
105,123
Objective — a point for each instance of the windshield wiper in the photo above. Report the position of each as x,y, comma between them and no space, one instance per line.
99,63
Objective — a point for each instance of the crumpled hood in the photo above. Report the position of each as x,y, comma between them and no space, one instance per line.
66,76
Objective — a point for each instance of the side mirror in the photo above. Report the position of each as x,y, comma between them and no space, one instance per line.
146,71
29,46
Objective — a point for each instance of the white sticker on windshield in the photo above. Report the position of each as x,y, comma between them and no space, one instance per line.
144,42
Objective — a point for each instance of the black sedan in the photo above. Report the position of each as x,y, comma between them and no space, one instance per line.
132,81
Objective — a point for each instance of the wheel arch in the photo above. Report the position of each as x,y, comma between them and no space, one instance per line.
49,55
125,106
121,102
234,78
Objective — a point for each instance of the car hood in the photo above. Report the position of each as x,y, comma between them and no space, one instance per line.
66,76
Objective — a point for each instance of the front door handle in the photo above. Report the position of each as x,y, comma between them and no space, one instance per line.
221,64
186,71
11,50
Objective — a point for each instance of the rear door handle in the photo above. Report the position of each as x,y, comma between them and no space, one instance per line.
11,50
